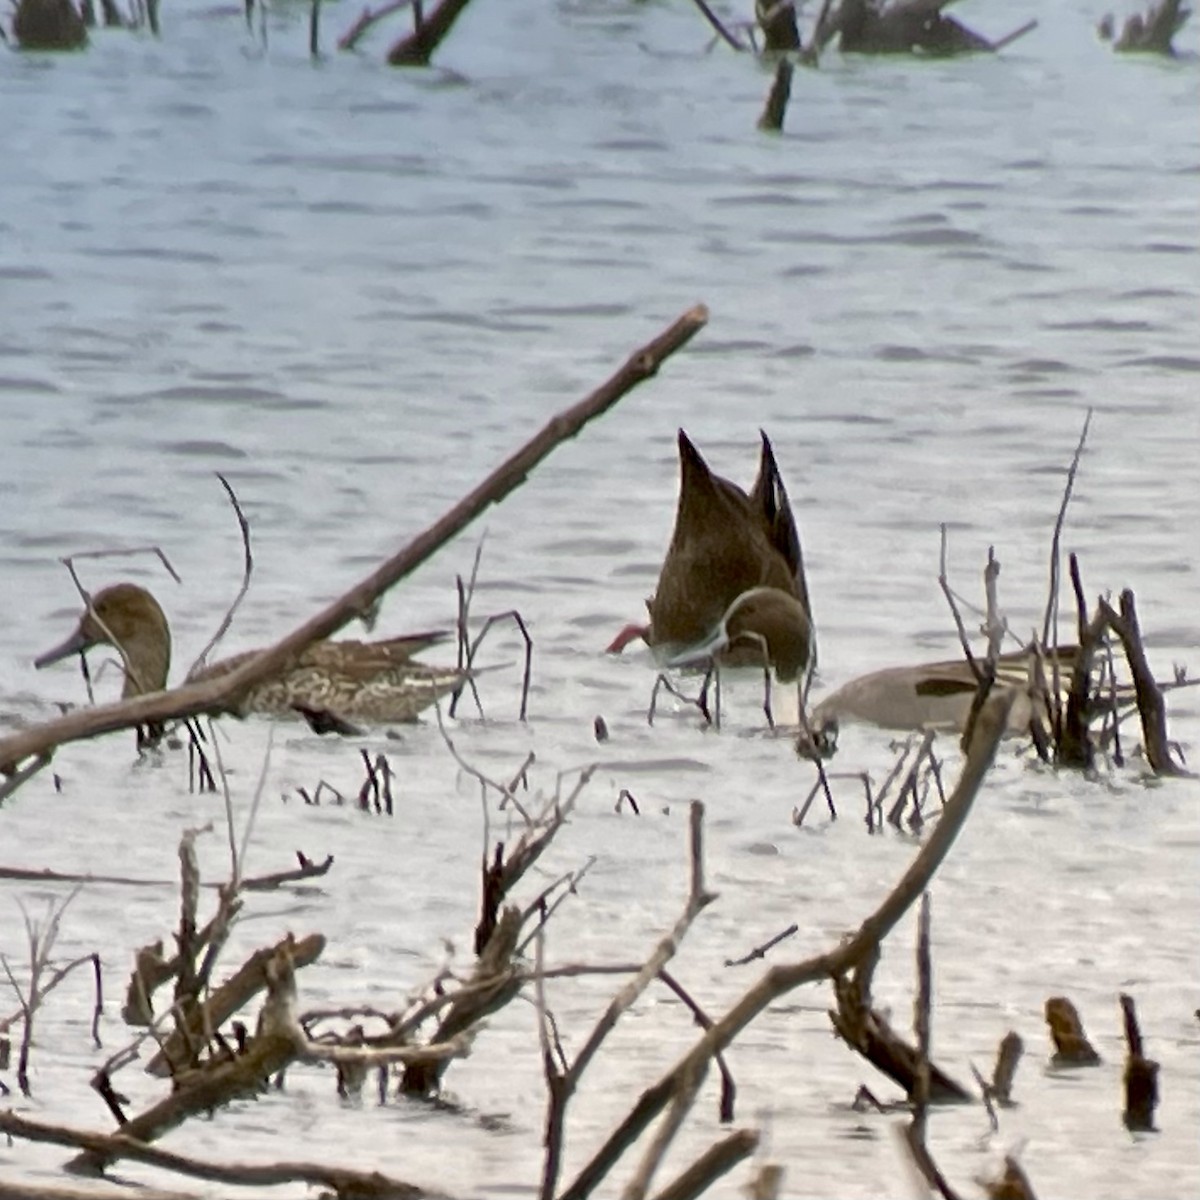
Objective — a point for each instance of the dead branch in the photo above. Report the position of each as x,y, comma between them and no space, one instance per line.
40,942
511,615
1012,1185
366,19
306,870
465,596
721,31
1071,1046
561,1085
428,33
32,1191
233,995
963,639
783,978
777,20
868,1032
1149,695
761,951
247,570
1050,621
107,1148
771,120
1141,1074
209,1087
494,982
994,628
27,772
1150,33
728,1087
222,694
1008,1056
719,1159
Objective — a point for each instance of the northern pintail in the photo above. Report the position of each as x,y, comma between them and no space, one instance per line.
936,695
726,543
372,682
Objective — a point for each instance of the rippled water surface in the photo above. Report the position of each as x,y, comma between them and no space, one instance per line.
352,290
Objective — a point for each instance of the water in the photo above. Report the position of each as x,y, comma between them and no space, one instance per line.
353,290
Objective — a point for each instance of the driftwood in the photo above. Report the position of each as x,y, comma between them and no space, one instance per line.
561,1084
904,27
48,25
1071,1046
1008,1056
428,33
1141,1075
494,983
777,99
101,1147
1012,1185
783,978
222,694
231,997
208,1088
864,1029
1153,33
777,20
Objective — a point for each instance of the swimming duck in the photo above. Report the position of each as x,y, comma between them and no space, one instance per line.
935,695
350,680
726,543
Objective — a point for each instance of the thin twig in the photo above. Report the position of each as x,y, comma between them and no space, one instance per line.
247,571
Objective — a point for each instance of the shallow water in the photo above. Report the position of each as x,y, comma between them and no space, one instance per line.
353,290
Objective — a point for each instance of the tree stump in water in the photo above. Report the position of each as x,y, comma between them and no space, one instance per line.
48,25
1149,34
1071,1046
777,20
870,27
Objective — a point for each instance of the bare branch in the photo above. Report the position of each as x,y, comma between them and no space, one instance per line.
223,694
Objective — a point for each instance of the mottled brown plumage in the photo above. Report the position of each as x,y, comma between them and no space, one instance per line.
357,681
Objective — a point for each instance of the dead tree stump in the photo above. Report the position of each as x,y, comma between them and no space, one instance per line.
48,25
1071,1046
1153,33
1141,1075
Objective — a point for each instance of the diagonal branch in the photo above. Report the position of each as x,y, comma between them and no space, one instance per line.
224,693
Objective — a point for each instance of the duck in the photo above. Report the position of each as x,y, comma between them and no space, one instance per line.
769,627
726,544
936,695
343,681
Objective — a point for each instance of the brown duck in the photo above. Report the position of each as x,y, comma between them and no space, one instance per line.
351,680
726,543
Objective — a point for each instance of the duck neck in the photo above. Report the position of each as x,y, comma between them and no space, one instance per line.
146,657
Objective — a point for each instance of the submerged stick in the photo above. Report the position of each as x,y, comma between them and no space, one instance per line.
223,693
775,108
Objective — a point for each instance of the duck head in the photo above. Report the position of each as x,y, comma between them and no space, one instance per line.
128,618
763,622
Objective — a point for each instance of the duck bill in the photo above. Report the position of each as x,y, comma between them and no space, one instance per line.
77,643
